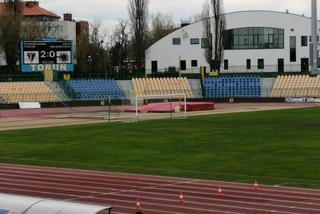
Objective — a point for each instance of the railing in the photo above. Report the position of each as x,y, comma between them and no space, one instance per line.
69,90
21,77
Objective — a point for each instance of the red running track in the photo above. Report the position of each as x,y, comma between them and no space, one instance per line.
158,195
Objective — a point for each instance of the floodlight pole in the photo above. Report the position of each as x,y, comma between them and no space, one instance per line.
314,39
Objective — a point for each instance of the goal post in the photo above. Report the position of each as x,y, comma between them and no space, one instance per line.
160,106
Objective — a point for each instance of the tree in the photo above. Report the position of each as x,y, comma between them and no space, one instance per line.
96,49
138,15
10,32
161,26
214,32
119,44
82,66
207,26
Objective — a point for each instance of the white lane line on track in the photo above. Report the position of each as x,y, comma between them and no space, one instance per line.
206,190
42,192
201,192
141,177
126,175
99,195
215,202
187,180
244,209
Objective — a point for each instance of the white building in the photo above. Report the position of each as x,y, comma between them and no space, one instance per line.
256,41
51,24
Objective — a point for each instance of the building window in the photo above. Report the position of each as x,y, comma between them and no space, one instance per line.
194,41
204,43
176,41
260,63
154,66
248,64
183,65
293,49
194,63
226,64
254,38
304,41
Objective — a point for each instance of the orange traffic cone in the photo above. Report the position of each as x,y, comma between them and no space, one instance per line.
256,185
181,198
138,205
220,192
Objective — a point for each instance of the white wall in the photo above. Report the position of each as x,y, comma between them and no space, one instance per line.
65,30
168,55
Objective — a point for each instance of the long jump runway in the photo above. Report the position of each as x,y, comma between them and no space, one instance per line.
158,195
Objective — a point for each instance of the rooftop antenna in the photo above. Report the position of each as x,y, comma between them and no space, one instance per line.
314,42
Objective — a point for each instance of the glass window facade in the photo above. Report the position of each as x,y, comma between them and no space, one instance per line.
254,38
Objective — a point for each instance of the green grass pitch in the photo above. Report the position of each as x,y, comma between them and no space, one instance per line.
273,147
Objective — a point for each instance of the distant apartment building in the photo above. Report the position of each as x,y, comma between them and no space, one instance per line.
52,24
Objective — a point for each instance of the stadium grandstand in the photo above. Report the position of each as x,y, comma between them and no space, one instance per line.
232,87
96,89
213,88
162,86
27,92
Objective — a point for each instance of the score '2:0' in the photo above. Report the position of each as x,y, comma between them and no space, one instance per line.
44,54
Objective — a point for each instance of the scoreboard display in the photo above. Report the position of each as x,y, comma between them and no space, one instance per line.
41,55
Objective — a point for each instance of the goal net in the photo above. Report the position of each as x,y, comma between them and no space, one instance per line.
105,109
162,106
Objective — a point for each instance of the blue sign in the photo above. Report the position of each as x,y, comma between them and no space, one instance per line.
38,56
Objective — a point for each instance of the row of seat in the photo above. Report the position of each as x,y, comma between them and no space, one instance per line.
15,92
96,89
162,86
221,87
225,87
296,86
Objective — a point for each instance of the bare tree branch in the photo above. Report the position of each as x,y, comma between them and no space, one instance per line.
138,15
215,47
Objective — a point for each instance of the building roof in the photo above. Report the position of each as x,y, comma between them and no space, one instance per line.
30,9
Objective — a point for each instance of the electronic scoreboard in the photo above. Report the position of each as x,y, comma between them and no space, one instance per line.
36,56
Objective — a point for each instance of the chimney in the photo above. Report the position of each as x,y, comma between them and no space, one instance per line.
67,17
32,3
185,20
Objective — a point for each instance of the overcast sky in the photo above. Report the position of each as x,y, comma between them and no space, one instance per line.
112,10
